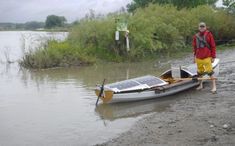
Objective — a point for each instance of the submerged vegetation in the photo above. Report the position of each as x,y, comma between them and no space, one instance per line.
154,31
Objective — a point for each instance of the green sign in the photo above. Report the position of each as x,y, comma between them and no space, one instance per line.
121,25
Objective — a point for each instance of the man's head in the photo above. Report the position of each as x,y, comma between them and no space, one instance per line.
202,26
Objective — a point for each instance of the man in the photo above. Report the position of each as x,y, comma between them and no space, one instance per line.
204,53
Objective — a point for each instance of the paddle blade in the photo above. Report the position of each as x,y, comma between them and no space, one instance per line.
108,96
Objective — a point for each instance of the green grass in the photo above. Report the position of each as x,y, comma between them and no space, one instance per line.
56,54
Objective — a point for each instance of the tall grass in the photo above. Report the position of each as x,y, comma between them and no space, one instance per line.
55,54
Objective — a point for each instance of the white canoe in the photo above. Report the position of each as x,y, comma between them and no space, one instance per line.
150,87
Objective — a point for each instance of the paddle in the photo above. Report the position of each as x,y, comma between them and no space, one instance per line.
189,79
101,92
194,78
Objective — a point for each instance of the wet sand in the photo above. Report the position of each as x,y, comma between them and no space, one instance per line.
199,118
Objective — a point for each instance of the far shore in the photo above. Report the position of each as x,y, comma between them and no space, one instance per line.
41,30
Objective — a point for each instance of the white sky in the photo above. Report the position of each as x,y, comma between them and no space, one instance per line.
219,3
29,10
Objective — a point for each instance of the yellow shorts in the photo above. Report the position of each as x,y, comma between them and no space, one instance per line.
204,66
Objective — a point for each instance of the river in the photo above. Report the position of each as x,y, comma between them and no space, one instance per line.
57,106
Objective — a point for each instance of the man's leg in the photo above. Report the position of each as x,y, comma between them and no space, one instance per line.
213,90
200,85
200,71
209,70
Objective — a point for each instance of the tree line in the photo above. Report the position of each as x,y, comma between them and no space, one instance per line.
32,25
230,4
52,21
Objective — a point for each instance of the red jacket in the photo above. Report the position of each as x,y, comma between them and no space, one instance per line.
204,52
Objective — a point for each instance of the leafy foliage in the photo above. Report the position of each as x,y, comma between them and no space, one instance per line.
178,3
230,4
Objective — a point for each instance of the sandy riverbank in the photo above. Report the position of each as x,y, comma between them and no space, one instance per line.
200,118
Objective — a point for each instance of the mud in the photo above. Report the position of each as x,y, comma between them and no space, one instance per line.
198,118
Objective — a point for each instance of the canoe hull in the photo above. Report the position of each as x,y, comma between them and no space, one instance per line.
151,94
150,87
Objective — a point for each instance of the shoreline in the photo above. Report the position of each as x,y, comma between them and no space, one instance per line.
93,61
198,118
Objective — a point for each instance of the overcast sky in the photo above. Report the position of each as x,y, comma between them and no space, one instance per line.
29,10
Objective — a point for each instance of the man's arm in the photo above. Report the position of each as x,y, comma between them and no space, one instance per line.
213,46
194,45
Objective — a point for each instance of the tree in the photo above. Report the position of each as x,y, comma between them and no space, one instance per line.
178,3
138,3
55,21
91,15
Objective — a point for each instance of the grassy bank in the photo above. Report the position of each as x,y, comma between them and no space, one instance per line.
154,31
55,54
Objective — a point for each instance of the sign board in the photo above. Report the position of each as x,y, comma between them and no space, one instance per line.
116,35
121,25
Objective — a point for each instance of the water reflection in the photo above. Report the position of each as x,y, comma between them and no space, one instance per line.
91,75
133,109
115,111
88,77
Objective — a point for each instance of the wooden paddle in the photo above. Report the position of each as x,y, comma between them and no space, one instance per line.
188,79
199,79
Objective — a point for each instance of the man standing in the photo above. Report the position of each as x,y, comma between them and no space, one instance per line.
204,53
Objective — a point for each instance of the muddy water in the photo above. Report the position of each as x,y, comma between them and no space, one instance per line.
57,106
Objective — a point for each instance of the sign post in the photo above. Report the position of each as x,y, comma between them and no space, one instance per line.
122,26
